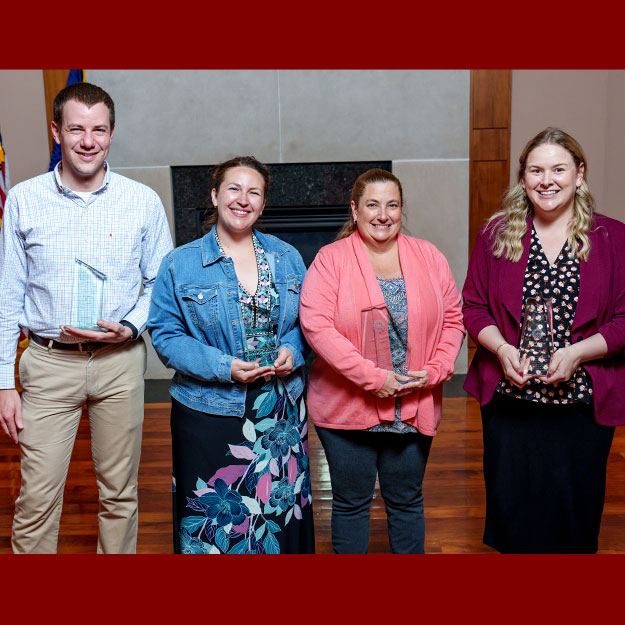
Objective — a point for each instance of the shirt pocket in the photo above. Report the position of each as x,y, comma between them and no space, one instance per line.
293,286
120,248
202,304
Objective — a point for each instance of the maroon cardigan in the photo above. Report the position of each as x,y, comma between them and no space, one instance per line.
493,295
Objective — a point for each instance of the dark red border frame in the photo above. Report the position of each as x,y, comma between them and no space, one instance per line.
300,589
317,35
320,35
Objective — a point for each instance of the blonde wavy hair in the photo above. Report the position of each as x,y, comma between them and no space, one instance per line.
510,223
371,176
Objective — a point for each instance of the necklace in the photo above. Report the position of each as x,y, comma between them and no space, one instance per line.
253,301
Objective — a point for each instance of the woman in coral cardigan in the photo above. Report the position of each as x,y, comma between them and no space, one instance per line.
382,312
548,423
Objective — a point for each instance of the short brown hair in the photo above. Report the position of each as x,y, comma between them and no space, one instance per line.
83,92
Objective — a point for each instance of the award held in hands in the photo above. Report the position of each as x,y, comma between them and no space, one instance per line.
375,343
261,332
537,335
87,297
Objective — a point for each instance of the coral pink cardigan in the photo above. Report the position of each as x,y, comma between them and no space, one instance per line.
339,284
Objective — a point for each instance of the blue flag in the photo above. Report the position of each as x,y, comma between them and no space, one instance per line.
75,75
4,179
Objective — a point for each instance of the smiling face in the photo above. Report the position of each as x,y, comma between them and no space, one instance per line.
85,137
240,200
378,214
550,180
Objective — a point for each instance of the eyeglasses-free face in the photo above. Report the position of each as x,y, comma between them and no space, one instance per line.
378,214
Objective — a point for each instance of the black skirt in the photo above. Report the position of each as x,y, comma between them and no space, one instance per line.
545,474
242,485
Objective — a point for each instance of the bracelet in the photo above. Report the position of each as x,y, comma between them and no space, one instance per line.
497,350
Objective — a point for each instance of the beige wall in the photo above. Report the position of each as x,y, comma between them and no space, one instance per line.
614,202
23,123
418,119
193,117
588,104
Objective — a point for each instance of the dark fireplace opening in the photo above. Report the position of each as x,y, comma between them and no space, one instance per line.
306,206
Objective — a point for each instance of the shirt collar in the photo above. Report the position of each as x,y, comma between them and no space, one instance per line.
212,253
67,190
210,249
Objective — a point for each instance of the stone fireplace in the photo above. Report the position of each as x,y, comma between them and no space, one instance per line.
306,205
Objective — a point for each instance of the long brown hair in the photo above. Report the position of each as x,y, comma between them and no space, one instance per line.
371,176
516,206
218,177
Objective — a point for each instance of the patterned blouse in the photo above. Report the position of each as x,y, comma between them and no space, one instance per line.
394,292
260,311
560,282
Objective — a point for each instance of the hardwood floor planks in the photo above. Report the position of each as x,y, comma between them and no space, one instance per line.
453,490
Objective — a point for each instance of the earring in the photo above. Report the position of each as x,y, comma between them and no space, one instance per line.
354,218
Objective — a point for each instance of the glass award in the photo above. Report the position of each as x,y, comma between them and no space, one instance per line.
375,343
87,297
537,335
260,333
260,344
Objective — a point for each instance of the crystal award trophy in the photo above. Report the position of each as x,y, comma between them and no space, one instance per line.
260,333
87,297
375,344
537,335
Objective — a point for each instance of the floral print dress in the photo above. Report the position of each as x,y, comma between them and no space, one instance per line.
243,485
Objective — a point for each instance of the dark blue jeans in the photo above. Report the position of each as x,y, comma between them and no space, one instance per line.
355,458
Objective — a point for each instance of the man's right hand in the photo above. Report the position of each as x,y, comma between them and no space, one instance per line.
11,413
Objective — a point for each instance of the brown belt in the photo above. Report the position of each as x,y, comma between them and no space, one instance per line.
88,346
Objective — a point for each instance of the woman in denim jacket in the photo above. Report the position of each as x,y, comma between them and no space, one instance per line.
224,315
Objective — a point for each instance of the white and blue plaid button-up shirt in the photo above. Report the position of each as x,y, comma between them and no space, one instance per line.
121,230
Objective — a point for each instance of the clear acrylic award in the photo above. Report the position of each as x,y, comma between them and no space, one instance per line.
537,335
260,333
87,297
375,344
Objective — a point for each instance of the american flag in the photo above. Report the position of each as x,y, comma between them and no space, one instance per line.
75,75
4,179
4,189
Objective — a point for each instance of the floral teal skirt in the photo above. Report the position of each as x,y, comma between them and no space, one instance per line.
243,485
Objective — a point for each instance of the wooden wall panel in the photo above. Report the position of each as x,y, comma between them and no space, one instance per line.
487,193
490,144
489,151
490,98
53,81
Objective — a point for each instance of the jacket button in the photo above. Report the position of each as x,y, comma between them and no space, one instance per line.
200,296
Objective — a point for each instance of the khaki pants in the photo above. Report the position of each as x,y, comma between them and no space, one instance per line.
56,384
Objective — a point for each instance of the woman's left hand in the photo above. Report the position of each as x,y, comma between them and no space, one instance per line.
284,362
419,381
563,364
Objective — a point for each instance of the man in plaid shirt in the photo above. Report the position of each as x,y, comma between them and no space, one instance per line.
81,214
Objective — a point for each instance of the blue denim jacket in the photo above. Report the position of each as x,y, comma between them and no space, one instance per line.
196,324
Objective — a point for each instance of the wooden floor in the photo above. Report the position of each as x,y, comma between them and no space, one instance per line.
453,490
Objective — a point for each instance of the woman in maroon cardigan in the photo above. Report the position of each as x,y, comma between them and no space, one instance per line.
547,433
